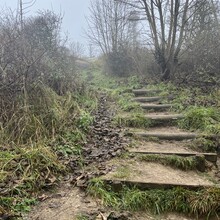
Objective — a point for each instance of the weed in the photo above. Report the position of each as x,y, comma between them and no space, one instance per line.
97,188
137,120
69,143
183,163
82,217
24,205
28,169
202,202
126,104
201,118
204,144
122,172
84,120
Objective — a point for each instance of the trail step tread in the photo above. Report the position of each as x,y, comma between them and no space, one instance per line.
212,157
157,117
149,106
163,135
154,175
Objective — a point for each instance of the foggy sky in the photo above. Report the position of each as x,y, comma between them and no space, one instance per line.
74,14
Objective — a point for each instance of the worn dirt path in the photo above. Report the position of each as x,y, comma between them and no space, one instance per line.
105,143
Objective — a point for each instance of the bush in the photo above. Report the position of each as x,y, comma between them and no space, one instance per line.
119,63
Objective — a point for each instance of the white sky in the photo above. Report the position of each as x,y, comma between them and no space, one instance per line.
74,14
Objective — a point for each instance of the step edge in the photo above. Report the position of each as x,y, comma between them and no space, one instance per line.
156,185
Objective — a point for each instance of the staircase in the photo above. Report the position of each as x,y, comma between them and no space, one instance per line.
163,139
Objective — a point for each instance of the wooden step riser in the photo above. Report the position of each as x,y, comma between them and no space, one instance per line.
146,92
152,123
117,185
164,122
156,107
145,99
176,137
208,156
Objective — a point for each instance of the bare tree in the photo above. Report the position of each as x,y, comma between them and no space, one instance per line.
167,23
24,6
107,24
109,31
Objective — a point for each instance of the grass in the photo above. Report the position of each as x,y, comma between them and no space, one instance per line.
25,171
122,172
82,217
204,202
126,103
136,120
205,119
100,80
38,139
183,163
204,144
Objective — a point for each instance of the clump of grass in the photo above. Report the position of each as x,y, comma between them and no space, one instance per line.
201,118
15,204
99,189
69,143
204,144
122,172
126,104
45,115
82,217
183,163
201,202
136,120
103,81
24,171
84,120
27,169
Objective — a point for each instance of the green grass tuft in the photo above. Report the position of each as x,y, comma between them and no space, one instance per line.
136,120
201,118
204,202
183,163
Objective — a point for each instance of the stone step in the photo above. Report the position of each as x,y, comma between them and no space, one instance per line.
147,99
146,175
164,135
212,157
139,92
156,107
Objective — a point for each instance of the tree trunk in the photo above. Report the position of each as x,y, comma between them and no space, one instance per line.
165,74
168,69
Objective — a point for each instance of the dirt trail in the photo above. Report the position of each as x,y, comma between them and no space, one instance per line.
104,143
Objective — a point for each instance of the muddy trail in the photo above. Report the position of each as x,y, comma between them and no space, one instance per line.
148,163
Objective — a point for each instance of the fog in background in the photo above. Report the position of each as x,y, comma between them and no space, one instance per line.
73,11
